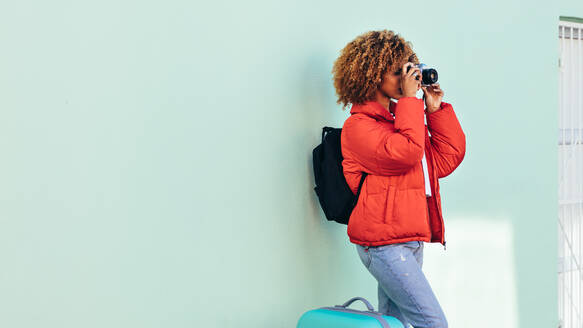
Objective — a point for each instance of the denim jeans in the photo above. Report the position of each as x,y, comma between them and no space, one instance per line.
403,290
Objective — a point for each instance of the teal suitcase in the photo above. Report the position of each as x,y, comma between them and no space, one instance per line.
340,316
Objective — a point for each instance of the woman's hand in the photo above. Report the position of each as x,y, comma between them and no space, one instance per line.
409,82
432,95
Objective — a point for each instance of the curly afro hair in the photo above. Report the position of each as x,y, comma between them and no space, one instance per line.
359,69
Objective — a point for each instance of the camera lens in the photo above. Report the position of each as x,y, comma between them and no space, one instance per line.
429,76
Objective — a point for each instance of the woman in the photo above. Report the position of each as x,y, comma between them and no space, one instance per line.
399,208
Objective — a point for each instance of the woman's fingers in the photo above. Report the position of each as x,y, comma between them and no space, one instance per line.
418,71
404,69
433,89
411,71
438,91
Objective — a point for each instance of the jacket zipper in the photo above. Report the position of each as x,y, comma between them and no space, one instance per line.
433,191
442,223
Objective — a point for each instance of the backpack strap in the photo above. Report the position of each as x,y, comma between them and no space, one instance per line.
364,174
325,130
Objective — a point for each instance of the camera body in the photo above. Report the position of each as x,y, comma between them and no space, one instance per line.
428,75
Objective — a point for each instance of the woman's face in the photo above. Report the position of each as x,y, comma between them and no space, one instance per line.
391,85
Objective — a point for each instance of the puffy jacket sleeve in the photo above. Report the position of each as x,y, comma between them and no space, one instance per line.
448,141
380,150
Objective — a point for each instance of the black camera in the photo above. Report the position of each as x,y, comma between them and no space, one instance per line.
428,75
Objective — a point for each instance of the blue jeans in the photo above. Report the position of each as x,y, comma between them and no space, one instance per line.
404,292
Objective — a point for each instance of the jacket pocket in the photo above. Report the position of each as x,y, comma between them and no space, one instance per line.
375,208
389,213
375,198
410,212
375,184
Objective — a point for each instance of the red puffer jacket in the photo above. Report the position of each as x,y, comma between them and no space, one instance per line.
392,207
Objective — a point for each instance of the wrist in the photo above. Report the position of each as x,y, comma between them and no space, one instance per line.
432,110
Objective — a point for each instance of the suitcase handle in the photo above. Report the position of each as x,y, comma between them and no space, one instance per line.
368,305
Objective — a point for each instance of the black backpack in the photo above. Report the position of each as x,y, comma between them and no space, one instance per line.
334,194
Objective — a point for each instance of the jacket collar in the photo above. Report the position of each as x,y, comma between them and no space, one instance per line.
374,109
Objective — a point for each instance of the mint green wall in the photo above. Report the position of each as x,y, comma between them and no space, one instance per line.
156,167
572,8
